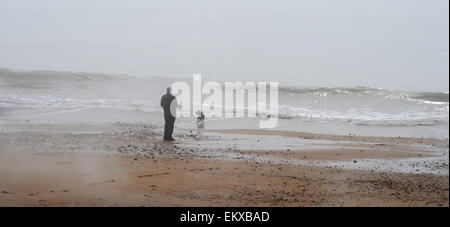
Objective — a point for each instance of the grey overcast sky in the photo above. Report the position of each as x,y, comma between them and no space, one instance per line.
397,44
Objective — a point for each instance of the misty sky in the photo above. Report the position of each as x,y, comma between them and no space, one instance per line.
398,44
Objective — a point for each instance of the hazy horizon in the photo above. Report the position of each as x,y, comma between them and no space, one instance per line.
401,44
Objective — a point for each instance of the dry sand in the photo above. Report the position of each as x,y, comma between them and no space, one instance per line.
128,165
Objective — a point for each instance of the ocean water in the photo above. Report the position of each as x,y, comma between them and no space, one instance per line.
363,106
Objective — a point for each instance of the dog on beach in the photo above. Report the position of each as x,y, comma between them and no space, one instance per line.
200,120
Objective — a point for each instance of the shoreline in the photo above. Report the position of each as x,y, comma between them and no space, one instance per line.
351,138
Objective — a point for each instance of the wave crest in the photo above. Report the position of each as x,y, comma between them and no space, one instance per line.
43,75
438,97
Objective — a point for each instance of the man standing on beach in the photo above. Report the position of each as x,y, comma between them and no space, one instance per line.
169,104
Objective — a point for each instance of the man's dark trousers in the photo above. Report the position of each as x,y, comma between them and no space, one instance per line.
168,126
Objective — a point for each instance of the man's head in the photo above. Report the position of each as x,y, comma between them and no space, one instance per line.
168,90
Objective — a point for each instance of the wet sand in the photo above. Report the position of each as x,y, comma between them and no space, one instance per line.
352,138
127,164
68,180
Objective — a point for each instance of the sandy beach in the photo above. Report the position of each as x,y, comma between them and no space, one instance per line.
95,163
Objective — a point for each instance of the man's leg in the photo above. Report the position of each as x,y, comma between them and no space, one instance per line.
170,128
166,128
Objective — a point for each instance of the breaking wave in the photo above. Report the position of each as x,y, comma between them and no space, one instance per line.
357,105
